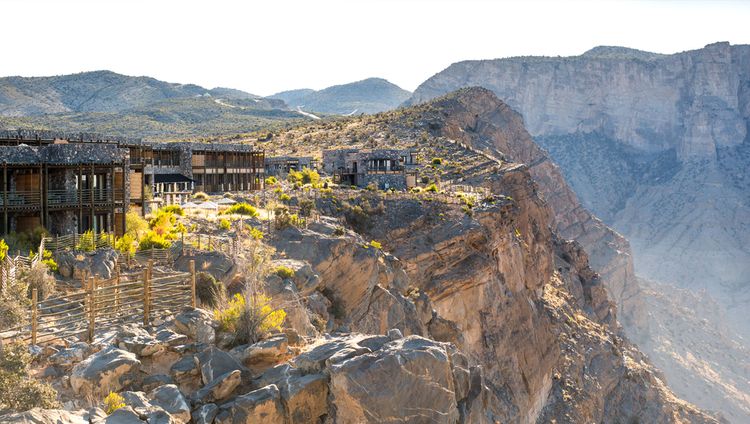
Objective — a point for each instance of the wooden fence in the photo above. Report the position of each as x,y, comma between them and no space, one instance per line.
105,304
72,241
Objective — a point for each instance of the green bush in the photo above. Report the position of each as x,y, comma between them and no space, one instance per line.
284,272
255,233
48,260
152,240
306,176
437,161
19,392
271,181
87,242
201,196
113,402
126,244
431,188
210,292
284,197
376,245
242,209
3,249
135,225
225,224
249,320
175,209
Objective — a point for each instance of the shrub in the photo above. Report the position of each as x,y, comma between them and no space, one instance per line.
306,207
283,219
284,197
306,176
284,272
278,190
338,231
225,224
228,195
431,188
113,402
437,161
211,293
249,320
3,249
48,260
271,181
255,233
135,225
38,277
87,242
201,196
153,240
175,209
376,245
242,209
126,245
416,189
18,392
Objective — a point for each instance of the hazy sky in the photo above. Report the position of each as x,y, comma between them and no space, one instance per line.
267,46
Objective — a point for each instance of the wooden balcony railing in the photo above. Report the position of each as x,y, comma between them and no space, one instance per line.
21,199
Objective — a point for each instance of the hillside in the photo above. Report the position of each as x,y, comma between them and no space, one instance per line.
196,118
99,91
371,95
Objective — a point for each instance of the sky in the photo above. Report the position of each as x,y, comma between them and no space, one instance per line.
268,46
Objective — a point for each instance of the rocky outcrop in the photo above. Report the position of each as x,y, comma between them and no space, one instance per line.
656,145
104,371
479,119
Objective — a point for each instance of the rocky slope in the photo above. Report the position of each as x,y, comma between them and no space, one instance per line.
655,144
371,95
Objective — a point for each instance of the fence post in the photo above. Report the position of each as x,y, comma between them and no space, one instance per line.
209,243
146,308
193,302
182,242
34,315
199,242
92,307
117,287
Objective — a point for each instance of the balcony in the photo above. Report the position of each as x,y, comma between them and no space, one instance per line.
21,199
67,198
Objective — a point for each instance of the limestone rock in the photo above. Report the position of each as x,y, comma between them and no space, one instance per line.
410,374
219,388
45,416
169,398
265,352
71,355
214,362
262,405
205,414
103,371
196,324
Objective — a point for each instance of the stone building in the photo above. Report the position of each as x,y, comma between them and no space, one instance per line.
386,168
75,183
281,165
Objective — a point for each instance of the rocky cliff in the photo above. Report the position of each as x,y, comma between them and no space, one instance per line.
655,145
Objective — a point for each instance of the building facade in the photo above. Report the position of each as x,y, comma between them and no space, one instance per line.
76,183
386,168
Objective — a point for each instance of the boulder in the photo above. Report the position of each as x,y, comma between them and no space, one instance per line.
405,376
103,371
124,415
153,381
205,414
218,389
45,416
214,362
265,352
305,398
196,324
185,368
71,355
169,398
133,338
259,406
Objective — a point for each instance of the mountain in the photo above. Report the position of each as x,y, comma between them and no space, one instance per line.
655,145
108,103
371,95
99,91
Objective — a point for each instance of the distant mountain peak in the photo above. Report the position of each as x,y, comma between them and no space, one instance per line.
370,95
617,52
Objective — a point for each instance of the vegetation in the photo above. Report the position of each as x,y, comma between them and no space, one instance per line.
49,261
225,224
255,233
284,272
153,240
271,181
306,207
126,244
19,392
87,242
135,226
306,176
285,198
242,209
437,161
283,219
3,249
201,196
376,245
210,292
249,320
174,209
113,402
431,188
